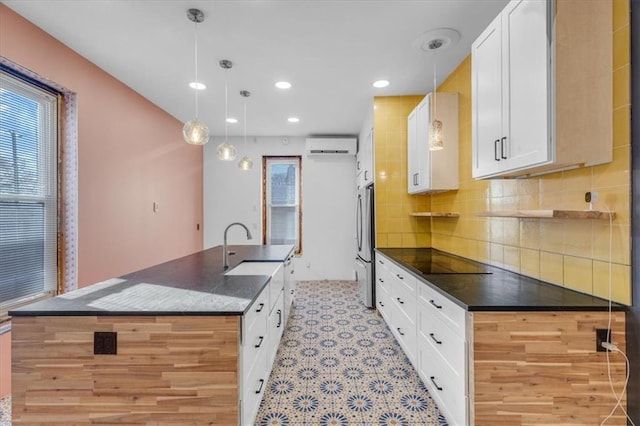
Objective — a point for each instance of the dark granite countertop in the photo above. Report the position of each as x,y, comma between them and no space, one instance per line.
190,285
494,289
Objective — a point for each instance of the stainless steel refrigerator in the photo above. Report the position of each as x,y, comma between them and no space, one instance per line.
365,244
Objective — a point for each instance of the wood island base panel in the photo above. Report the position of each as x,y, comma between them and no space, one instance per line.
542,368
168,370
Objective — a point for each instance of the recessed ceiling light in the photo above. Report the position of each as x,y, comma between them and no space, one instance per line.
381,83
232,120
283,85
293,119
198,86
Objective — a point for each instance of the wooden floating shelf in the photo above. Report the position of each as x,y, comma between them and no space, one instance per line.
435,214
550,214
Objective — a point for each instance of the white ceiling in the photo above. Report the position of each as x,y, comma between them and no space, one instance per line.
330,50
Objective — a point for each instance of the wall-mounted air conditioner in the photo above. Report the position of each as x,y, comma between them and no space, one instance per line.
331,146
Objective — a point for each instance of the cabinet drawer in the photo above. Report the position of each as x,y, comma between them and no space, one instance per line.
405,331
258,310
449,345
444,384
451,314
276,286
405,297
254,385
254,343
384,303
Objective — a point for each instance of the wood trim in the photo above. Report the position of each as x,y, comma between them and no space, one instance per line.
168,370
541,368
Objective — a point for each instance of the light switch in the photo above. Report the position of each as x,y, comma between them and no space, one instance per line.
156,207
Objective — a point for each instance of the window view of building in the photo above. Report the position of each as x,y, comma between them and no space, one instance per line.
282,201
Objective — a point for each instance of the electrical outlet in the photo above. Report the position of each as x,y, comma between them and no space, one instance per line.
602,335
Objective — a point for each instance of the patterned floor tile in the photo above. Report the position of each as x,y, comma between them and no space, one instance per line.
350,370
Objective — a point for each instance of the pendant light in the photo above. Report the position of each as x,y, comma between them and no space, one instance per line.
245,163
436,137
196,132
226,150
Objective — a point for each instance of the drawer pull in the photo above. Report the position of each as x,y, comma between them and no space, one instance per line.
262,384
433,337
400,276
381,280
399,331
260,342
380,261
381,304
291,271
434,383
260,308
291,291
279,318
435,304
399,301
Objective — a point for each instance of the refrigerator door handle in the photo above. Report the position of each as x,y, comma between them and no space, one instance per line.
359,222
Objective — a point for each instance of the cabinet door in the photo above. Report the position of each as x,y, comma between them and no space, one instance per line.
423,121
367,159
486,89
413,166
525,81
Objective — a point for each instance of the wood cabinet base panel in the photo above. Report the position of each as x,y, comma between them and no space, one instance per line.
168,370
542,368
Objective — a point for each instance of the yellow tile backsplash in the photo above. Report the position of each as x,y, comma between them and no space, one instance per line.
572,253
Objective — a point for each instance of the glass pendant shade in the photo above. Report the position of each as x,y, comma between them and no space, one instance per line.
226,151
195,132
436,138
245,163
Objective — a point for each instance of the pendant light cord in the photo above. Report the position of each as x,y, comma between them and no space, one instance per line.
435,87
226,103
245,125
196,63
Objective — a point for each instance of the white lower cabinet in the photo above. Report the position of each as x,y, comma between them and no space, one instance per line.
262,328
442,363
398,295
431,330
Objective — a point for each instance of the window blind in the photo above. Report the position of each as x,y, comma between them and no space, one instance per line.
28,191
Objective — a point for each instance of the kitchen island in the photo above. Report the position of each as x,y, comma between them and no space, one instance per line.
498,348
177,343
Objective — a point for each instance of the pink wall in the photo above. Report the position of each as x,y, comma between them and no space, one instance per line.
130,154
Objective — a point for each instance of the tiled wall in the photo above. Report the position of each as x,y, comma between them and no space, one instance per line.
572,253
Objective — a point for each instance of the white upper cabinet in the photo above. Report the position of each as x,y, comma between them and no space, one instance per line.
524,120
510,86
433,171
364,158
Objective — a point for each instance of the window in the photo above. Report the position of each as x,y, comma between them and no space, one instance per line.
282,215
28,191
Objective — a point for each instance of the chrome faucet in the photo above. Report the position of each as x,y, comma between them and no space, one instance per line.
225,253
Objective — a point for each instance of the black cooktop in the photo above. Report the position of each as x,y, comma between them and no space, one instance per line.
437,262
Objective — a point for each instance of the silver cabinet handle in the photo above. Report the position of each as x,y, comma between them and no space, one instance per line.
502,150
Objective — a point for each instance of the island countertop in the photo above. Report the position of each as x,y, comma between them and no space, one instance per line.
483,287
190,285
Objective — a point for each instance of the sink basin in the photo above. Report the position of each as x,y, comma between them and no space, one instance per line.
254,268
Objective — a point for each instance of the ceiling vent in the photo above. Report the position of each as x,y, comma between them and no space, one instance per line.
331,146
